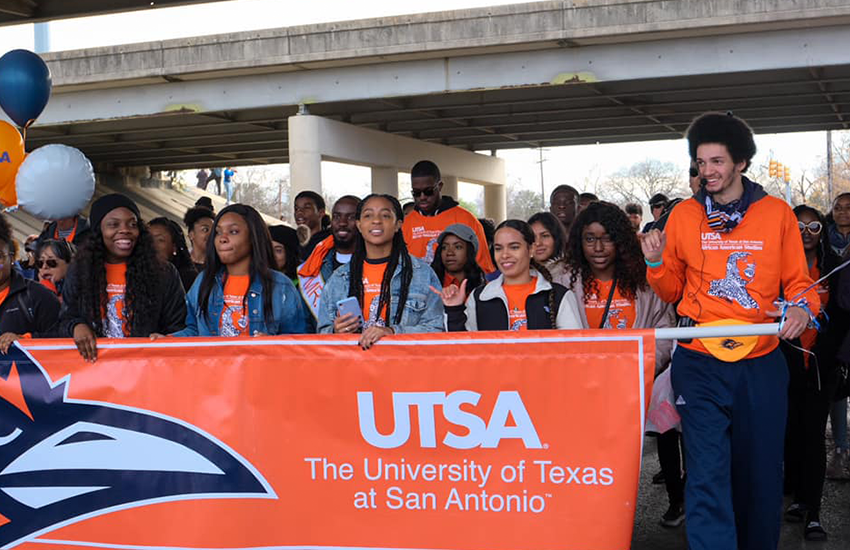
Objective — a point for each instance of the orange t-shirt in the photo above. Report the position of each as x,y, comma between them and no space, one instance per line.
810,335
421,232
517,296
373,275
114,321
621,314
735,275
4,294
234,317
449,280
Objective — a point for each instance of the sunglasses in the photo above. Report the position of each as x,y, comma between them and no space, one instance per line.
813,227
427,192
50,263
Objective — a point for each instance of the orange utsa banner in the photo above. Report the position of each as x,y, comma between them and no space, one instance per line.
449,441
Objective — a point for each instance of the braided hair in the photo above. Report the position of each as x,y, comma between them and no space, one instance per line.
528,236
398,256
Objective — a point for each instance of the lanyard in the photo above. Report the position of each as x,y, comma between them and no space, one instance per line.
608,303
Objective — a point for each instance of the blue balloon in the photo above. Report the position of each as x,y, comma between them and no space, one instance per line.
25,85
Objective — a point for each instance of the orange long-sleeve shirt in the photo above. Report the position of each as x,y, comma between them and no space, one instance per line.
421,232
735,275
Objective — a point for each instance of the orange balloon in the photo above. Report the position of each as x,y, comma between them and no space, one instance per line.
11,157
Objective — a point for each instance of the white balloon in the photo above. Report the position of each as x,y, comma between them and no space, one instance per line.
55,181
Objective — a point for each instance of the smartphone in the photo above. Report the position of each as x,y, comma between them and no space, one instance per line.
351,306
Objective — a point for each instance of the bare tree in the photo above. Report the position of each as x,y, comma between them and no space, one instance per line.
522,203
642,180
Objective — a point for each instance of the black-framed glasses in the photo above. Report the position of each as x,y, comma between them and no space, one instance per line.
51,263
812,227
427,192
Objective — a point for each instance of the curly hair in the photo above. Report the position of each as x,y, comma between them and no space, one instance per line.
197,213
629,267
726,129
145,275
528,236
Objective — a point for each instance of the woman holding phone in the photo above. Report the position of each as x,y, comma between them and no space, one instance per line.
383,290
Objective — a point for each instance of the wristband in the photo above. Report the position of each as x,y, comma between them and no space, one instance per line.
653,264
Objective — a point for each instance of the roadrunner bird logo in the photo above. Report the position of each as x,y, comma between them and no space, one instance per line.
64,460
733,287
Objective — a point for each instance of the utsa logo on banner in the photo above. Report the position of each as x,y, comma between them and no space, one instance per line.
481,434
65,460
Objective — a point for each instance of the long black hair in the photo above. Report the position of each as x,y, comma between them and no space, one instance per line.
399,255
262,260
471,270
528,236
629,267
145,278
826,259
555,228
182,259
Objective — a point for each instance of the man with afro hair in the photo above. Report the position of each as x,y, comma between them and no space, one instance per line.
726,255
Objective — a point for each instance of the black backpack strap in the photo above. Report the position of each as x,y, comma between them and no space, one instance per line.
23,305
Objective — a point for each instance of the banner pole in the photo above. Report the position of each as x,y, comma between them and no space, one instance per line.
684,333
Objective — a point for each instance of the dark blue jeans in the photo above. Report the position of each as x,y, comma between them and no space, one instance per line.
733,422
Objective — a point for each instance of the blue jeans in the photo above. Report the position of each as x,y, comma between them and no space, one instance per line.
838,418
733,423
228,189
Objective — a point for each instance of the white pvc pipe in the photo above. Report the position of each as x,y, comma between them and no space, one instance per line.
683,333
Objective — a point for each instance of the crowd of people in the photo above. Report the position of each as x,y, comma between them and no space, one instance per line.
753,410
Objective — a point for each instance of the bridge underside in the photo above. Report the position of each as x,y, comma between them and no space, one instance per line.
775,101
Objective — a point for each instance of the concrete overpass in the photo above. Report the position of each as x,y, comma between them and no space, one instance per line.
527,75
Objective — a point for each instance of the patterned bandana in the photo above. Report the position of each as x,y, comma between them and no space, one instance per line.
723,218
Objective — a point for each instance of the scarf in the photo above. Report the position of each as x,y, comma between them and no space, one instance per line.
723,218
838,241
313,265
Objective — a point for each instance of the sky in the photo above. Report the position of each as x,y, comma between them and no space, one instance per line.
571,165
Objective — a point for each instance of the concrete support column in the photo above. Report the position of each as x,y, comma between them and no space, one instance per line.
495,203
450,186
305,157
385,180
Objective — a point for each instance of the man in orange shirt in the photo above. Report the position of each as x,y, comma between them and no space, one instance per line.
433,213
726,254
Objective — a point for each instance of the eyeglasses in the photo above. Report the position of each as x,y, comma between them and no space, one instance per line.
812,227
51,263
591,240
427,192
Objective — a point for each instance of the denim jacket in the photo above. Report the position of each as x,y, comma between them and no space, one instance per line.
423,311
288,311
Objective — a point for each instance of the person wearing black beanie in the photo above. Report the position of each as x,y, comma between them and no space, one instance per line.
117,266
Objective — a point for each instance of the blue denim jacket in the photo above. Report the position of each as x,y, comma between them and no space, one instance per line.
423,311
288,311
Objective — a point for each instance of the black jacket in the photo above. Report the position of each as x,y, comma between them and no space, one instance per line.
39,313
83,230
492,314
170,306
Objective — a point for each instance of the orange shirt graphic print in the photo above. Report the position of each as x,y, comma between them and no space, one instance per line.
234,318
114,322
